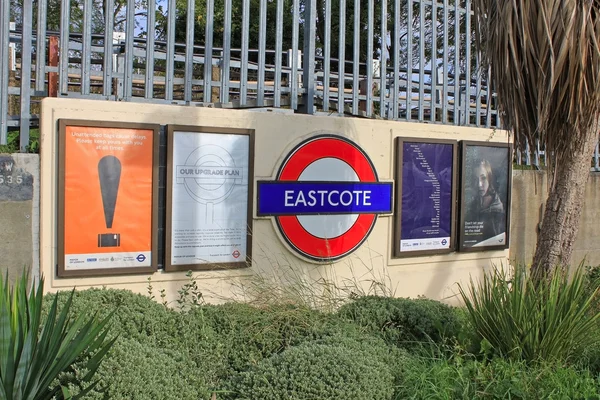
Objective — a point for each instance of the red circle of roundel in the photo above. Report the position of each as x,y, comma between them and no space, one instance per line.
295,234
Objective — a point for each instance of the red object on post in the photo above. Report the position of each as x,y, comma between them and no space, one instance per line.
53,62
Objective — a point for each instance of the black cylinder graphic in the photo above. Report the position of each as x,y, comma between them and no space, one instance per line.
109,172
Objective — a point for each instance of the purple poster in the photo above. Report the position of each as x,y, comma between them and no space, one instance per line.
426,208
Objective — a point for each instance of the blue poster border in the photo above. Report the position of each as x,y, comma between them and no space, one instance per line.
397,237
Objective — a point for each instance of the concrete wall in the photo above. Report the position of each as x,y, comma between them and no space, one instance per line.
19,214
528,196
276,134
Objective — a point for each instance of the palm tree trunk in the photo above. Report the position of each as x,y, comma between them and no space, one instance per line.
561,219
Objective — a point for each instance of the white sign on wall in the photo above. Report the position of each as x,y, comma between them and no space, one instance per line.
208,216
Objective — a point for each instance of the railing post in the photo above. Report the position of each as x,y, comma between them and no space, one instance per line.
26,40
4,61
53,62
308,70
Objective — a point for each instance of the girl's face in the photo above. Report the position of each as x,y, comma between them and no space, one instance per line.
482,180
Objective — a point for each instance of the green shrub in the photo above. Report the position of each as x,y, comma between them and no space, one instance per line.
136,316
145,372
333,368
402,321
151,331
520,318
249,334
460,378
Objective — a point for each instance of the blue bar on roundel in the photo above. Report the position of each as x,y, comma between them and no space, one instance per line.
313,198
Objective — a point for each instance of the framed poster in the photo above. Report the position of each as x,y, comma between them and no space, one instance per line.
107,198
485,196
426,176
209,198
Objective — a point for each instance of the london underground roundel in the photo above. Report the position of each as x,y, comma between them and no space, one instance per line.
325,198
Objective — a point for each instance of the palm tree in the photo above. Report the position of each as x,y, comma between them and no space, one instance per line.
545,60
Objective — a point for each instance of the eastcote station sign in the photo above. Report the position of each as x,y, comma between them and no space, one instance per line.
325,198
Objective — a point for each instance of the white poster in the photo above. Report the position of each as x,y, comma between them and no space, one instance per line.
209,205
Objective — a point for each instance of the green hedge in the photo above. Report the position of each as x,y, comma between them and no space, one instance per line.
403,321
160,353
329,369
145,372
459,378
249,334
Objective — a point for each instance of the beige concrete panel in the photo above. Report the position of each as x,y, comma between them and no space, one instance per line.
276,134
529,192
528,199
15,237
19,214
587,245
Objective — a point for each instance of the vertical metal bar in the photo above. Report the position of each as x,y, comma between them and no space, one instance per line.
421,60
488,117
498,122
108,49
170,61
295,34
342,57
446,69
434,66
244,66
262,43
478,91
384,55
409,61
189,51
327,56
468,62
396,102
210,5
278,53
226,53
129,30
356,57
40,52
150,32
370,27
4,69
26,74
64,46
456,62
310,37
86,54
596,158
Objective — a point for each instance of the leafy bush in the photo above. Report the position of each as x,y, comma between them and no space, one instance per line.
154,343
401,321
34,351
145,372
249,334
460,378
334,368
520,318
135,316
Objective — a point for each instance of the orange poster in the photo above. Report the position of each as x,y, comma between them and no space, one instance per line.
108,197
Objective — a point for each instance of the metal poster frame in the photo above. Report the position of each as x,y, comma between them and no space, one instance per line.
508,148
171,132
62,271
399,147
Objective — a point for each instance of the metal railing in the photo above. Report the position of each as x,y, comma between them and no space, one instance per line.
411,60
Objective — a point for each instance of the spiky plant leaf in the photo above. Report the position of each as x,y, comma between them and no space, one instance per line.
34,351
